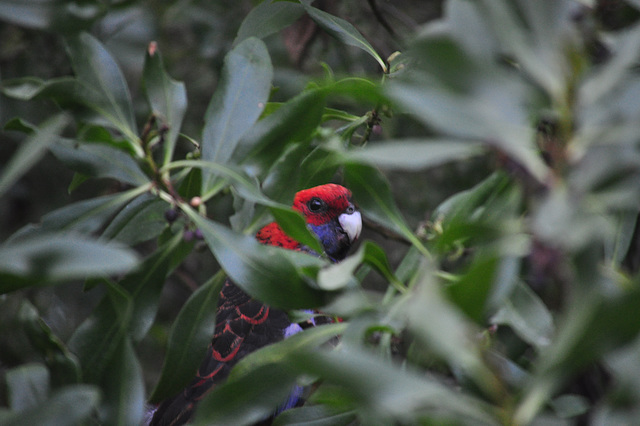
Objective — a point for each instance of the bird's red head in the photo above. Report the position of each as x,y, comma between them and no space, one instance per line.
329,213
323,203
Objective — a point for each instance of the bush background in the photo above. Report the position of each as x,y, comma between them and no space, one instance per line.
534,104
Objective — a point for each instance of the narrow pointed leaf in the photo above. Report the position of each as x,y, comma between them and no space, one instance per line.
123,387
240,97
415,154
28,385
268,18
68,406
32,149
343,31
102,85
167,98
52,258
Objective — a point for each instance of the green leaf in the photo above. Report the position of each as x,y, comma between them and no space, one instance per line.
190,335
87,216
535,35
239,100
279,352
32,149
343,31
529,318
471,291
268,18
102,85
337,276
444,329
263,378
385,393
267,273
97,340
51,15
123,387
58,257
100,161
140,220
167,98
315,415
68,406
593,325
372,193
28,386
294,225
146,282
415,154
28,88
294,121
63,365
264,389
490,104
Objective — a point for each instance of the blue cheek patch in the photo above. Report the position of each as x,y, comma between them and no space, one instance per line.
292,329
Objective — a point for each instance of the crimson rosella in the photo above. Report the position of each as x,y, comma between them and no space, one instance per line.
244,324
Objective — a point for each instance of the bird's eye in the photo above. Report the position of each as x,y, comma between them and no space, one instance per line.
316,204
351,209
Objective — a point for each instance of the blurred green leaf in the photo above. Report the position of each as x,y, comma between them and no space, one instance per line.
241,95
190,335
261,377
385,392
444,329
51,14
28,386
32,149
28,88
593,325
314,415
534,33
525,313
491,105
63,365
266,387
337,276
52,258
268,18
102,86
343,31
471,291
415,154
65,407
167,98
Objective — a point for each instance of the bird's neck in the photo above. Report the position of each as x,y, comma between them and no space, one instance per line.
273,235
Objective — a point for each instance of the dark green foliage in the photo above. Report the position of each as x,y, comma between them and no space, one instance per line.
495,160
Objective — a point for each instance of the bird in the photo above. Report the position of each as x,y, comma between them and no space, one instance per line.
244,324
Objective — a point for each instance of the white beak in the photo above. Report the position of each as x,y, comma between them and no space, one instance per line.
351,224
